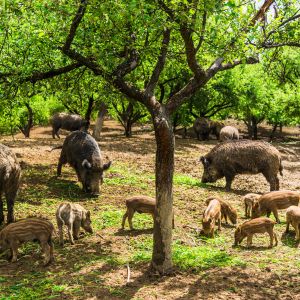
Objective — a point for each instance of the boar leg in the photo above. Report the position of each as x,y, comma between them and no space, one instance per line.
1,211
297,232
10,200
61,162
271,234
287,225
61,235
46,249
70,233
14,250
275,237
219,223
130,216
246,211
50,243
76,229
229,178
124,219
275,213
249,240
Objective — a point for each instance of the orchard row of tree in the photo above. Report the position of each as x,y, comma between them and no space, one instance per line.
251,93
171,59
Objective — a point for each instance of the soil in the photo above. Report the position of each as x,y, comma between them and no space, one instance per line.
274,278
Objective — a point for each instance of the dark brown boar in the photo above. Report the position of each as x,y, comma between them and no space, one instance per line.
228,159
10,173
28,230
215,128
229,133
140,204
258,225
202,128
82,152
271,202
70,122
211,215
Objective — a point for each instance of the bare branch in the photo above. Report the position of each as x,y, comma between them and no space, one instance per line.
160,62
269,45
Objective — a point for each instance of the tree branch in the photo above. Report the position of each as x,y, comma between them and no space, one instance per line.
76,21
261,13
204,19
160,63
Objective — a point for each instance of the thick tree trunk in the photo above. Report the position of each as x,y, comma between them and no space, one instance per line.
274,127
164,169
128,129
280,127
99,122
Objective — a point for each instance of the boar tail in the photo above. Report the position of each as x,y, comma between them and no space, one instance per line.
280,168
54,148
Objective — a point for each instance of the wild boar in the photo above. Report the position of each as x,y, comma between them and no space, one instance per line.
228,159
248,202
229,133
140,204
201,128
258,225
65,121
73,216
293,217
215,128
271,202
227,211
10,173
28,230
211,215
82,152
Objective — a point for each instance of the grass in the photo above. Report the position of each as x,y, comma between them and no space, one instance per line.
98,261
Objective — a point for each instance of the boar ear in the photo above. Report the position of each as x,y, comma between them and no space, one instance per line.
204,160
106,166
86,164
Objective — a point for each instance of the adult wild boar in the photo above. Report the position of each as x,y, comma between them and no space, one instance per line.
230,158
82,152
65,121
229,133
202,128
215,128
10,173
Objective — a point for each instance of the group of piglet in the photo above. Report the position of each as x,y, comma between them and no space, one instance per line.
256,205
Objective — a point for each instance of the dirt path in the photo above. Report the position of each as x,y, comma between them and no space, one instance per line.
95,268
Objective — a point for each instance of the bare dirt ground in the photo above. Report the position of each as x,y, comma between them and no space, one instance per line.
95,268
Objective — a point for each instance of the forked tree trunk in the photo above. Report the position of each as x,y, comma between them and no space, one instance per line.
88,113
99,122
164,169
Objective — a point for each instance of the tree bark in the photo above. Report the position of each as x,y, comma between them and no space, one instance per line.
27,127
99,122
88,112
164,169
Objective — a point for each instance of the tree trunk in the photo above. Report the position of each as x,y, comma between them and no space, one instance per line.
164,169
254,128
99,122
88,113
280,127
128,128
27,127
273,131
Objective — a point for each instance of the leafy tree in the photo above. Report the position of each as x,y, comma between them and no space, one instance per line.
136,45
